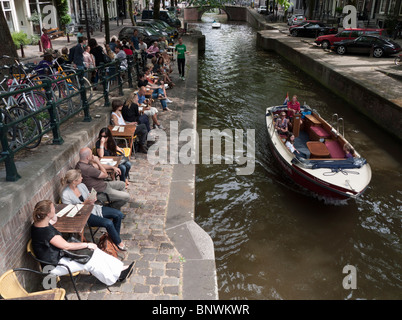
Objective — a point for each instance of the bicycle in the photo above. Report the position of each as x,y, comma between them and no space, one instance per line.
21,132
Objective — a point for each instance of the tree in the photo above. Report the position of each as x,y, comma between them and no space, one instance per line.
106,18
157,8
131,13
5,37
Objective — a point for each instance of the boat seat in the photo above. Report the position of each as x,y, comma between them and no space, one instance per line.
316,133
335,149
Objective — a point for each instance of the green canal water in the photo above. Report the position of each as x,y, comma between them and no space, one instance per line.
274,240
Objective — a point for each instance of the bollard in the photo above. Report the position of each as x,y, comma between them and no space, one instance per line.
68,38
40,46
105,85
11,169
54,119
22,51
119,78
129,70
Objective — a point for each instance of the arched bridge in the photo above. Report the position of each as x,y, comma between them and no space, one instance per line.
234,13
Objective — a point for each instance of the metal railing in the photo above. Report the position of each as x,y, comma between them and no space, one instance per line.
51,108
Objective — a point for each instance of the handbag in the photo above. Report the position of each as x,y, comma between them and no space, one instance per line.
80,256
124,159
106,244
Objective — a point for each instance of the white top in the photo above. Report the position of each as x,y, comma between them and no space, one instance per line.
120,120
290,146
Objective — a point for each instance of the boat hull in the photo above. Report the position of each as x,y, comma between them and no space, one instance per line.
306,178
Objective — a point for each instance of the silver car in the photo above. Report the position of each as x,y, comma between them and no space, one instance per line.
296,19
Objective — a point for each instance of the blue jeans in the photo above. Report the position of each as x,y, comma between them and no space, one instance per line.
143,119
125,170
112,226
155,95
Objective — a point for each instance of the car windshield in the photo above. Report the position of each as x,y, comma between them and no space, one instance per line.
151,32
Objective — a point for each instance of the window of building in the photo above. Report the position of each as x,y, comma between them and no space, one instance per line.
6,5
383,5
391,7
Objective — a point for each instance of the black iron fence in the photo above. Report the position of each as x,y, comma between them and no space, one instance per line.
19,130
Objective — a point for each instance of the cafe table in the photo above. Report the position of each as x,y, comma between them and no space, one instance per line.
113,161
126,132
76,224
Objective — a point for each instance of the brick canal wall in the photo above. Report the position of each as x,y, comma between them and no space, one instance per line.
40,172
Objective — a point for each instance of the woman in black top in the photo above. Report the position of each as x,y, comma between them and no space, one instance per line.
131,112
98,53
48,244
106,147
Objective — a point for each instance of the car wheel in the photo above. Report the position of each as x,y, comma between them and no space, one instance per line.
294,33
341,50
325,44
378,52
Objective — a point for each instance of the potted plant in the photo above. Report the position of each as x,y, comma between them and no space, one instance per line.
35,18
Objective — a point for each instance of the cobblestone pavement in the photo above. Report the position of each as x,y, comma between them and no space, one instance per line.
158,266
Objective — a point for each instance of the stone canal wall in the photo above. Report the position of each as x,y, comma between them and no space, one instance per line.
356,79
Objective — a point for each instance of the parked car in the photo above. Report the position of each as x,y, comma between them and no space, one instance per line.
327,41
303,23
296,19
312,29
262,9
164,26
148,34
378,45
164,15
150,24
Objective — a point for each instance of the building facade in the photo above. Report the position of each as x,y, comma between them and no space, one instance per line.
22,15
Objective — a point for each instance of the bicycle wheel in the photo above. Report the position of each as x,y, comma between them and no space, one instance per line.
75,100
35,100
25,130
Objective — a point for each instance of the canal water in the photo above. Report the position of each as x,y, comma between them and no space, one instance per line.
274,240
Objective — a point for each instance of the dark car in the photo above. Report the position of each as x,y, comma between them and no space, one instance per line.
148,34
312,29
347,34
171,32
164,15
169,29
158,29
378,45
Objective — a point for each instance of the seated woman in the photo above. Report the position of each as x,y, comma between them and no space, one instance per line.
106,147
293,108
349,151
76,192
153,50
132,113
48,244
160,69
117,119
290,145
281,124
